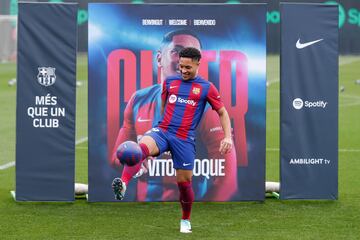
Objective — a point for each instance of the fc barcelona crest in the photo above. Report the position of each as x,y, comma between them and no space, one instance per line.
196,90
46,76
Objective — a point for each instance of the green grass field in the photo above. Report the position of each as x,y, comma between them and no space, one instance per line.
272,219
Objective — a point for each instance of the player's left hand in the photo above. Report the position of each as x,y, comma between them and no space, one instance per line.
225,145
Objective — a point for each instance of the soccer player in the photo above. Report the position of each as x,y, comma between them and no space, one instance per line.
184,98
143,112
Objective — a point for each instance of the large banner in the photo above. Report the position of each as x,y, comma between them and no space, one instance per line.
309,101
132,49
45,114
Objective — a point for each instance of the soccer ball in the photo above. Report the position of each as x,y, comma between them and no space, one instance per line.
129,153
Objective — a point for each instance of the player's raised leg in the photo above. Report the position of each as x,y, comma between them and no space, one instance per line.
148,148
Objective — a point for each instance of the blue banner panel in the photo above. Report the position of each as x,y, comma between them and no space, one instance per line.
46,97
132,49
309,101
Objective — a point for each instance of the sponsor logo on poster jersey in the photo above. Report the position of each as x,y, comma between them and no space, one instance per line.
143,120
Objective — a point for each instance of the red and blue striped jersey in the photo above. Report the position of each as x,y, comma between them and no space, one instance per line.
185,104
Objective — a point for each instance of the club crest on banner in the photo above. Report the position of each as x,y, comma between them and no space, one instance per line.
46,76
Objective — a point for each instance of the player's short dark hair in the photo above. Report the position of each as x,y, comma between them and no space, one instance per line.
190,52
168,37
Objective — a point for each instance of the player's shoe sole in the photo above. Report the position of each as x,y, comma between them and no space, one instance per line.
119,188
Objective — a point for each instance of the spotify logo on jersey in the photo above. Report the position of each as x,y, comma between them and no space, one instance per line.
172,98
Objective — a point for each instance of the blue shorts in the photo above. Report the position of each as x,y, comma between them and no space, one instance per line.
182,151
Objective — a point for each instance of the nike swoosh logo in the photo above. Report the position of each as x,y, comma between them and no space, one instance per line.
143,120
186,164
171,87
304,45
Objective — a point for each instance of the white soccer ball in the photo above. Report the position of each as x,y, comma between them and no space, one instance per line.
272,187
81,189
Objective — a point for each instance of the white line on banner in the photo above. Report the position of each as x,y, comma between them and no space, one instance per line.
11,164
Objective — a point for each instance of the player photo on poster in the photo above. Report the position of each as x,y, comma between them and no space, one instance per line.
132,50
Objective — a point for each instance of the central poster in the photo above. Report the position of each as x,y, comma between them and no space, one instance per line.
132,49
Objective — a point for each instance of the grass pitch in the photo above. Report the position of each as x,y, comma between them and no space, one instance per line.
271,219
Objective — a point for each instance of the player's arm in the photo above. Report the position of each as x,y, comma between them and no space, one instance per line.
226,143
126,132
213,97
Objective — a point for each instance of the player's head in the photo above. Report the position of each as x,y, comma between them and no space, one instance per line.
172,43
189,61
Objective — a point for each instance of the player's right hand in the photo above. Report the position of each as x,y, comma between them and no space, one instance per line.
225,145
